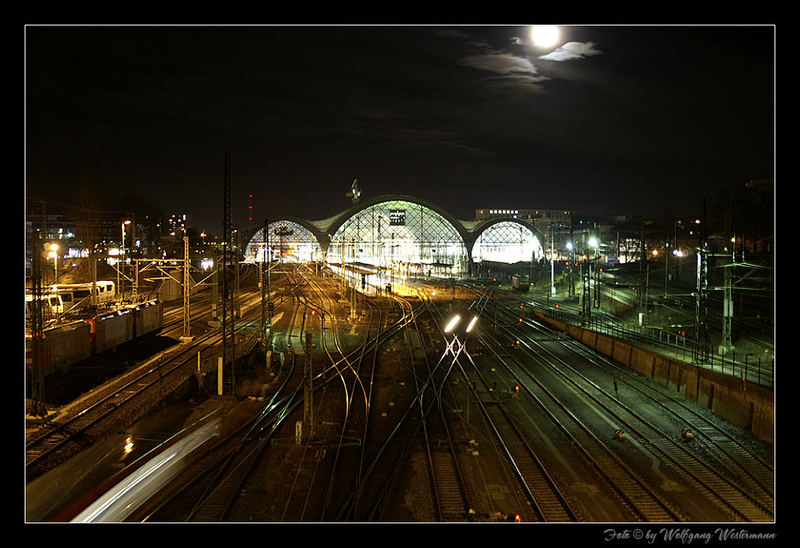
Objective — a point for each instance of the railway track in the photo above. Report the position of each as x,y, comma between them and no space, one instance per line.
543,501
357,488
697,472
431,437
107,406
384,408
746,499
208,488
220,494
739,462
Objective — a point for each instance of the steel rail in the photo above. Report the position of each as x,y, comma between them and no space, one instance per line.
668,448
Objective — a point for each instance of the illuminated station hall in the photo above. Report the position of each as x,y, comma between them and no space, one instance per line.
392,238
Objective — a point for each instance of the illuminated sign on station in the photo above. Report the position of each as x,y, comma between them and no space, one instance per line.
397,217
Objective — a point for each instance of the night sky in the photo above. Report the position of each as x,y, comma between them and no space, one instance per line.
614,120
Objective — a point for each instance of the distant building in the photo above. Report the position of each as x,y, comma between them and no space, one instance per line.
177,223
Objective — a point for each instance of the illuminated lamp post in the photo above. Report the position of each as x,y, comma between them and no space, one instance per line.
593,243
571,260
54,255
122,253
552,263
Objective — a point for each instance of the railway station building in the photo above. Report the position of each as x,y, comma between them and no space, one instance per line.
405,234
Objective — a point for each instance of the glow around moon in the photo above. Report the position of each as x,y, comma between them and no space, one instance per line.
545,36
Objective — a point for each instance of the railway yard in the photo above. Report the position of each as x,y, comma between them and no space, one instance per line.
403,418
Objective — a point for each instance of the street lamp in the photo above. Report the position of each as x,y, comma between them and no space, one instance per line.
552,263
54,255
122,252
594,243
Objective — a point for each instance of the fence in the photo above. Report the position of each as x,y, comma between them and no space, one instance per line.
675,345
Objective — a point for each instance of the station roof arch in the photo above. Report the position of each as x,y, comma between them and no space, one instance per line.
308,236
332,224
479,226
506,240
469,231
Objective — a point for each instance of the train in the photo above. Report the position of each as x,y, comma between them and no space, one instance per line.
75,341
520,284
72,298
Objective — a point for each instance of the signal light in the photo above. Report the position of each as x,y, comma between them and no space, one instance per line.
517,518
516,388
517,341
520,320
521,306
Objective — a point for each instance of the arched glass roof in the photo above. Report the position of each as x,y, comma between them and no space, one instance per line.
399,232
507,242
288,240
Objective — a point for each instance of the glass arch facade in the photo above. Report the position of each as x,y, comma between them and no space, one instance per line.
507,242
289,242
400,235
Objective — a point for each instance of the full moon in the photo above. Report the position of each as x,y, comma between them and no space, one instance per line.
545,36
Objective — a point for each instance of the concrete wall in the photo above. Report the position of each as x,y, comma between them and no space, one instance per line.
747,405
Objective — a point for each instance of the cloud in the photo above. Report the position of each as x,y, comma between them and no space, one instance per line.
511,73
501,63
572,50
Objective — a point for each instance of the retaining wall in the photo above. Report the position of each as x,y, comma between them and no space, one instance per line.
740,402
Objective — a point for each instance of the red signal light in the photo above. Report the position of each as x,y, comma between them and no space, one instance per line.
517,341
521,306
517,518
516,388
